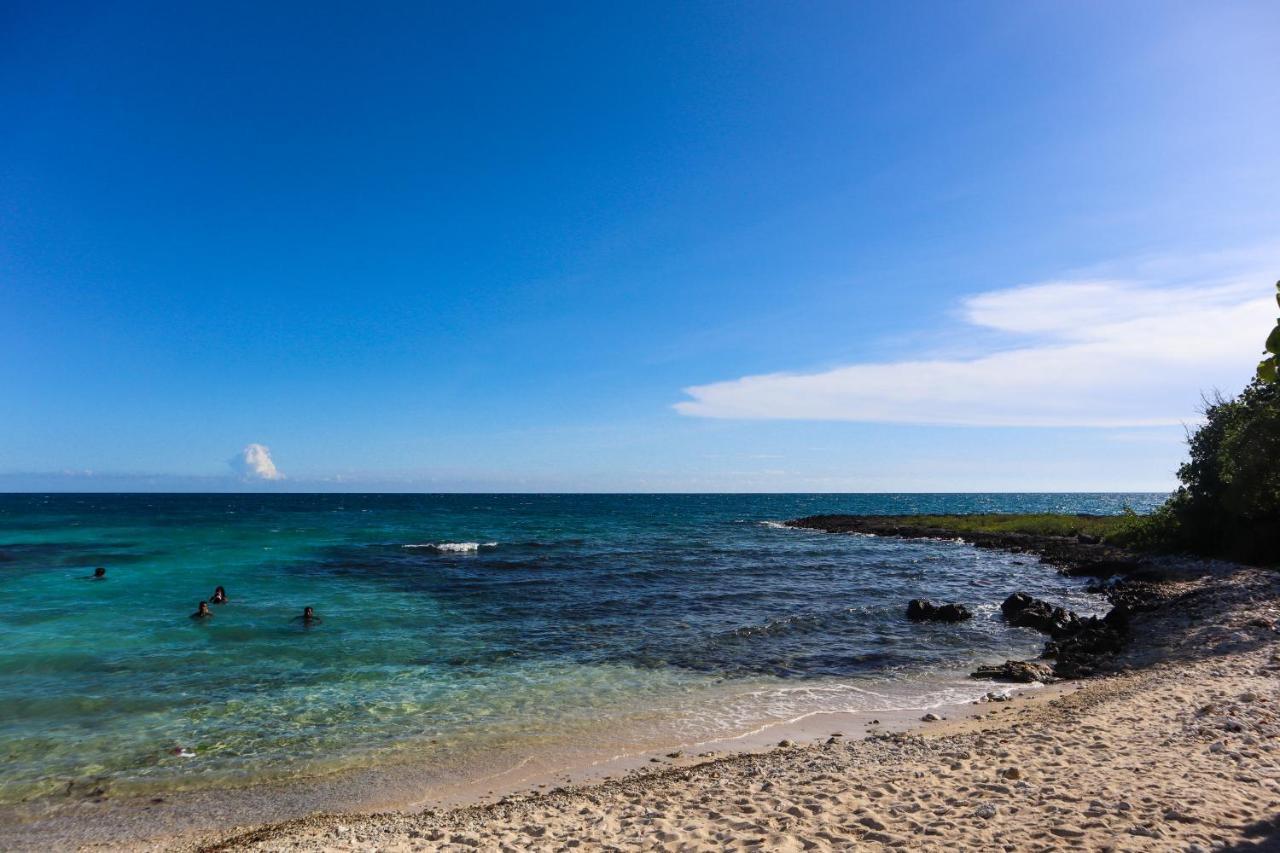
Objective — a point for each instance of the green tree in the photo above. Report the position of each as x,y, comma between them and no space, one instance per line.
1229,502
1269,367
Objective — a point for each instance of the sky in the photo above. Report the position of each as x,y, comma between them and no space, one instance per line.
629,247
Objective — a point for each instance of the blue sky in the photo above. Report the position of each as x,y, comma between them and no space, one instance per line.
708,246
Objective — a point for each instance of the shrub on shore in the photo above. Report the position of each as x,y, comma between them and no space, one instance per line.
1229,502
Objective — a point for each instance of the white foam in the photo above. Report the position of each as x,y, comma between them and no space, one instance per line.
454,547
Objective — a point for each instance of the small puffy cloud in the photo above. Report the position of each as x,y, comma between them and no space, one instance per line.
255,463
1093,353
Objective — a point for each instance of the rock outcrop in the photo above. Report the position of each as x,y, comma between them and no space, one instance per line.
1020,671
1024,611
1078,655
1078,647
920,610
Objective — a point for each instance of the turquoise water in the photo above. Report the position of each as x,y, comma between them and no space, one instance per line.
457,626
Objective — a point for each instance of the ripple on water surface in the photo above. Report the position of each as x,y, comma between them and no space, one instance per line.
459,626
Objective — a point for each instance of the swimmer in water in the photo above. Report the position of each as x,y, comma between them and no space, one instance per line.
309,616
219,596
202,612
99,574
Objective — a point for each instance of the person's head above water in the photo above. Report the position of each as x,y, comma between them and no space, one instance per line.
219,596
99,572
202,611
308,616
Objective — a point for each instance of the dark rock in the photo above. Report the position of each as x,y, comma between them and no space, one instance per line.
1021,671
919,610
952,613
1099,568
1118,617
1024,611
1077,655
1078,646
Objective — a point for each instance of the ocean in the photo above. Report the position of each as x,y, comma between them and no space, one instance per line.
458,632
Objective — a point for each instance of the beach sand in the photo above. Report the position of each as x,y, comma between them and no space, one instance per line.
1177,749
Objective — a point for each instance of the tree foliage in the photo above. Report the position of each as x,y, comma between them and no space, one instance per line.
1269,367
1229,502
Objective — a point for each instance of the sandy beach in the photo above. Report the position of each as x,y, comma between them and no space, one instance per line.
1177,748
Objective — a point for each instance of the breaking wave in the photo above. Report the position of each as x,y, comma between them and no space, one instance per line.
453,547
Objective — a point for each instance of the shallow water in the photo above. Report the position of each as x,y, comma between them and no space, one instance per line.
456,627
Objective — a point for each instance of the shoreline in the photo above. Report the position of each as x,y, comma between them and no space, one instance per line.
1178,744
408,779
191,818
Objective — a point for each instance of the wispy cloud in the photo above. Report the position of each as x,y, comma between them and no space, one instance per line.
1100,352
255,463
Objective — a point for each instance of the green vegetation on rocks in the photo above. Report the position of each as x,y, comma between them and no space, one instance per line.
1102,527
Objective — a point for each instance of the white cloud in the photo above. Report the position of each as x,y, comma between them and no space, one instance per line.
254,463
1107,352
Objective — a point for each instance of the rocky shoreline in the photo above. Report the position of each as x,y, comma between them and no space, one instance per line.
1076,647
1077,556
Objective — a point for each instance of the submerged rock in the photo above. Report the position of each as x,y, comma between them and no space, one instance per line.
953,613
920,610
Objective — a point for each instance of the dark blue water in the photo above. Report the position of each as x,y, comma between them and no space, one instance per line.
455,625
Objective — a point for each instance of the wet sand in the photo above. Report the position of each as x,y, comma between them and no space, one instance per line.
91,819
